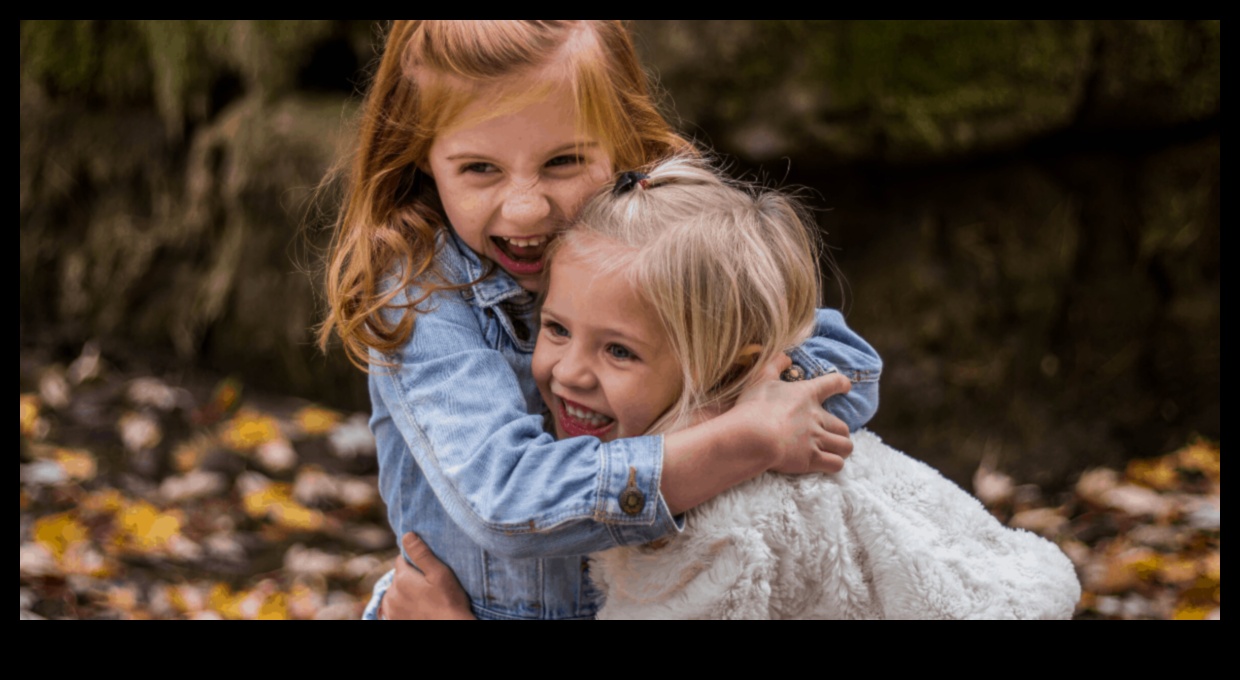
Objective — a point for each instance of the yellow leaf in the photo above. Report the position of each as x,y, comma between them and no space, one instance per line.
58,532
29,413
247,430
275,502
223,600
1191,612
146,528
77,464
1178,570
1158,473
273,608
260,500
295,516
316,420
1202,457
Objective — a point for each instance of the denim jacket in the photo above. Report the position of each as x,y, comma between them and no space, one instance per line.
464,460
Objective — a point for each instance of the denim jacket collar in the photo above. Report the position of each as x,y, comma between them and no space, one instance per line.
489,291
498,295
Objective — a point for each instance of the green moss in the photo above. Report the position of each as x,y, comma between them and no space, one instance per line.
96,60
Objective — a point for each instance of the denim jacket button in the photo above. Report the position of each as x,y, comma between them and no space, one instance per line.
792,374
632,501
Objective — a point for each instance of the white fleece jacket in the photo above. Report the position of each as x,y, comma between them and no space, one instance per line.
887,538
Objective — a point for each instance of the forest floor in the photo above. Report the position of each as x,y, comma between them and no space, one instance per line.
147,497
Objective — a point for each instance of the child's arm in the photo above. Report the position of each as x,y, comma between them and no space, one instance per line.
834,347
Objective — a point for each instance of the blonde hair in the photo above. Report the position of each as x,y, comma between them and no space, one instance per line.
429,73
730,269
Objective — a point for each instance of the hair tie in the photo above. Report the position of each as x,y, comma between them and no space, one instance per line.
628,180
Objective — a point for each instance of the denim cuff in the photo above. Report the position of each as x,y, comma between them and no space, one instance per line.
629,500
810,367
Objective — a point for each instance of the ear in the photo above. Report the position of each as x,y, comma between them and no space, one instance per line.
747,356
744,361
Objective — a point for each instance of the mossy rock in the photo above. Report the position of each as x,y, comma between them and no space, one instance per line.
833,92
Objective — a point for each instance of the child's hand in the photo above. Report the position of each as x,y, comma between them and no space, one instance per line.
432,593
791,424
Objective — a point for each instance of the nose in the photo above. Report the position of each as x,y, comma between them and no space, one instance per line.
573,370
526,206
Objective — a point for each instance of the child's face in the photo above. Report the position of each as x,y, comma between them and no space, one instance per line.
509,183
602,363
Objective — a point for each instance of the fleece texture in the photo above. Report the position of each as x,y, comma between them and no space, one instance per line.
887,538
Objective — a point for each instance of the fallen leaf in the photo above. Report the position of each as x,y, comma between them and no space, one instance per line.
1158,473
54,388
248,429
1094,484
303,602
275,502
192,485
315,420
35,559
1044,521
1138,501
31,425
139,431
302,561
87,366
78,464
153,393
58,532
189,454
276,455
1202,457
145,528
352,438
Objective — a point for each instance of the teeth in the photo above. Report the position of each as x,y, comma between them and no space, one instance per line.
526,242
589,417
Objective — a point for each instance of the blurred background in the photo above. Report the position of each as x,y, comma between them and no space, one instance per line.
1025,218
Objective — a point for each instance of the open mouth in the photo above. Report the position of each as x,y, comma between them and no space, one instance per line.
578,421
521,256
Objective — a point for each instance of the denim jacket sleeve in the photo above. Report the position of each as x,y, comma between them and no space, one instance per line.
834,347
511,488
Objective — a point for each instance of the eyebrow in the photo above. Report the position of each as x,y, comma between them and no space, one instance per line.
554,152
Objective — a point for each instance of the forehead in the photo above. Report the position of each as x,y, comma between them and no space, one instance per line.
601,298
549,119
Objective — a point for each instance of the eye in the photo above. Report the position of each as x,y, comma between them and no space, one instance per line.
556,329
566,160
479,168
620,352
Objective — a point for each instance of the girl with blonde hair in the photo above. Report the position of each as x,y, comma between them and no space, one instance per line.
665,302
478,143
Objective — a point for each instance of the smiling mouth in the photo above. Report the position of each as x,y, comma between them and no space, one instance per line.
521,256
578,421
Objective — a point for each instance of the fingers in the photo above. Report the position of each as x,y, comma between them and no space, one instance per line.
829,385
835,444
423,559
828,463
